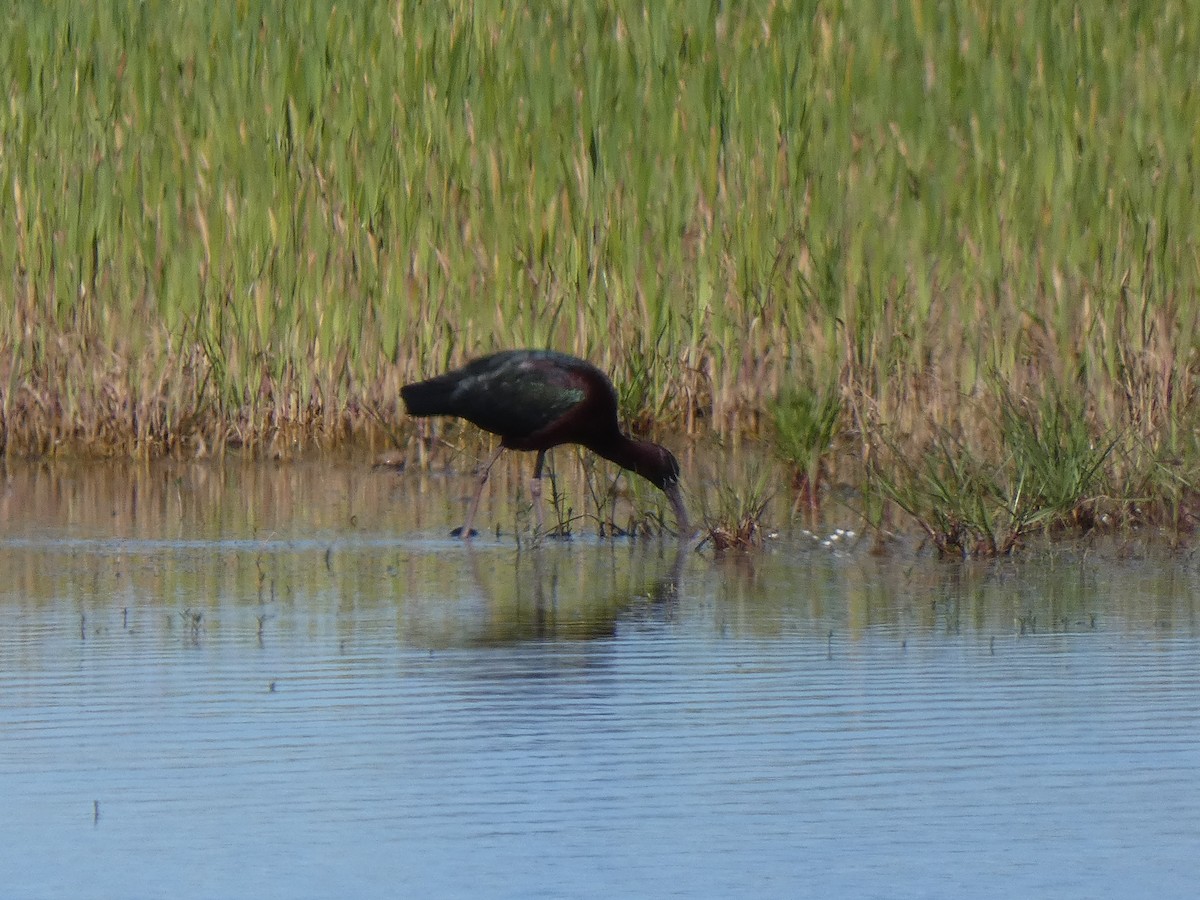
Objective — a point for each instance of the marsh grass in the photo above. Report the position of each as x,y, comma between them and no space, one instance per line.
1041,473
805,425
603,492
563,517
244,226
733,514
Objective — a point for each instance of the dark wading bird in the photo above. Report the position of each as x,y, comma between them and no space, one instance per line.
538,399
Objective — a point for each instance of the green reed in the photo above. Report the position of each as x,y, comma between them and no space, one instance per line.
805,426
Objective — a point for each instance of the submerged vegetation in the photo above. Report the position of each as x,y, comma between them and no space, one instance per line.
948,252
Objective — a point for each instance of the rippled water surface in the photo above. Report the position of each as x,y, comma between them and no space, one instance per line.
286,682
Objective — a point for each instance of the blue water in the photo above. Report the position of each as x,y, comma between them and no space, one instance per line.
345,713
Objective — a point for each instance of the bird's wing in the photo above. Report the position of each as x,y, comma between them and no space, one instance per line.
519,397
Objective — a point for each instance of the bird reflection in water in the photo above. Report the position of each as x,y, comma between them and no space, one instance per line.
548,599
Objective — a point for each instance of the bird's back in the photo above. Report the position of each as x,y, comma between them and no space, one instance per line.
518,394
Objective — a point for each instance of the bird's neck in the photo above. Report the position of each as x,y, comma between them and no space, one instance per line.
624,451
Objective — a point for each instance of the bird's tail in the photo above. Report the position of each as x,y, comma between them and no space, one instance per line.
429,398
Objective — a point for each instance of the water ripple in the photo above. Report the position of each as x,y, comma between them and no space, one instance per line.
584,724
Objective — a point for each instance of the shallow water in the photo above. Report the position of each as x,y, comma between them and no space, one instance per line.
286,682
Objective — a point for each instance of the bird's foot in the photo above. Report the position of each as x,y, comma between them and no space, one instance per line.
458,533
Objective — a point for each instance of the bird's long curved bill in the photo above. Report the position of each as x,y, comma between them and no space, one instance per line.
681,516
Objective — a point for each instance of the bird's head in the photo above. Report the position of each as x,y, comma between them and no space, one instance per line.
659,466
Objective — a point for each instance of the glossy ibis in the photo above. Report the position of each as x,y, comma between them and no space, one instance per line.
538,399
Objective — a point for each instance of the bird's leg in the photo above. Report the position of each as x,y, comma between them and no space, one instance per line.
466,532
535,491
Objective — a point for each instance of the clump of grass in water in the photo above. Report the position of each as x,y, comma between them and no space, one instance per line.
970,504
737,521
805,424
605,487
951,495
603,493
563,516
1056,455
